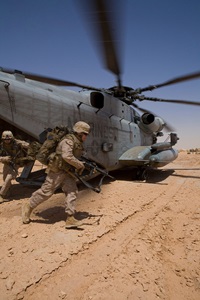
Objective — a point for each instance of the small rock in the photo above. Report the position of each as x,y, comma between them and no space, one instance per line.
62,295
24,235
9,284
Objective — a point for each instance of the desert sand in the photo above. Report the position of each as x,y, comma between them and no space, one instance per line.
141,241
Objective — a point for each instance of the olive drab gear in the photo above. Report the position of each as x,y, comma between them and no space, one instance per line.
33,148
32,151
50,144
7,135
81,127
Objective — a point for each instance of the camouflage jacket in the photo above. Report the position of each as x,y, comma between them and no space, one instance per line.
67,153
16,149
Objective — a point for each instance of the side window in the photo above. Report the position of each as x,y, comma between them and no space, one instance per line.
134,116
97,99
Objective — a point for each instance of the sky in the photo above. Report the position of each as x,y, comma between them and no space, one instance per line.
159,40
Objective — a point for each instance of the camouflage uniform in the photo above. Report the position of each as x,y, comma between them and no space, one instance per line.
10,155
59,175
67,153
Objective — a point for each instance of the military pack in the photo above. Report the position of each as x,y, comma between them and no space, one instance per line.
53,137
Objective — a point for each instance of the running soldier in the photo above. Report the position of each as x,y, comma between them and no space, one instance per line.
66,156
11,151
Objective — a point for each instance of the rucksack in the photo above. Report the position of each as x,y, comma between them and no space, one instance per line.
53,137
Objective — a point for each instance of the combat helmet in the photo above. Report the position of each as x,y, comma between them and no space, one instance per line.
81,126
7,135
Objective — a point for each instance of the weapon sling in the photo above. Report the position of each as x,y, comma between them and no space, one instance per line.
87,184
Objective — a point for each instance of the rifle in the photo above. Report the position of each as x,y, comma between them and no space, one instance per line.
12,163
93,168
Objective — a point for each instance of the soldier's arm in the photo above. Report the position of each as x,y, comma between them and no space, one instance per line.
66,147
4,157
23,144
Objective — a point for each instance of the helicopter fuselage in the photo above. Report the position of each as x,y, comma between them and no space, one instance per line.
116,127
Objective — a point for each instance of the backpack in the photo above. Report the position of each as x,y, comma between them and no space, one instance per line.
53,137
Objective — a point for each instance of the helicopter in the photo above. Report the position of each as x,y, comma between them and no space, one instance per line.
120,136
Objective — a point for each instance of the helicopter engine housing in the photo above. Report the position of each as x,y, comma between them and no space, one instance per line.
149,123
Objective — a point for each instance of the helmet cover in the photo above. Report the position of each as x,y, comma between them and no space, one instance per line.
7,135
81,127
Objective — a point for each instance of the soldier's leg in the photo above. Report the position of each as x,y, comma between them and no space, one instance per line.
9,174
69,187
52,182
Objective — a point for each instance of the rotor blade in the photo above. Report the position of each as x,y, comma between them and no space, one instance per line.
167,126
169,82
49,80
188,102
100,16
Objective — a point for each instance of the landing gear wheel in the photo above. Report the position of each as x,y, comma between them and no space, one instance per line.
142,174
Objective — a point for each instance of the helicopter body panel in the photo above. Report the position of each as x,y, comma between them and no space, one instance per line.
162,158
32,107
144,155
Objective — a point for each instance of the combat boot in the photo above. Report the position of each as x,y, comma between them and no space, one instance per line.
72,222
26,212
1,199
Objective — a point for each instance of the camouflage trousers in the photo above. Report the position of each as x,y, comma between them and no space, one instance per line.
9,174
52,182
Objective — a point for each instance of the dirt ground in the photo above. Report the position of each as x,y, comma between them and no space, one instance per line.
142,240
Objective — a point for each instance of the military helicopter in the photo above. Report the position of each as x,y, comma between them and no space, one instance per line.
120,137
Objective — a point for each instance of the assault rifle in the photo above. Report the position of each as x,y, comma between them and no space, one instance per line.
12,162
93,168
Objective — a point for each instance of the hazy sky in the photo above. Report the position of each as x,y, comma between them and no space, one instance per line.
160,41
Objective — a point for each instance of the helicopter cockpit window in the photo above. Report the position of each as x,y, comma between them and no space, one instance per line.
97,100
135,117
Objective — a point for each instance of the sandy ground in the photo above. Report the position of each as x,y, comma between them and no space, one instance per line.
142,243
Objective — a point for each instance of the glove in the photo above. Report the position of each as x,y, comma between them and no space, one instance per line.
22,161
5,159
80,170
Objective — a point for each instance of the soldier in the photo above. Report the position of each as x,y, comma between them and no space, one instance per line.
59,176
11,150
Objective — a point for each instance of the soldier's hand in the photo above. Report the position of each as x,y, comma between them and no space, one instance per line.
80,171
6,159
22,161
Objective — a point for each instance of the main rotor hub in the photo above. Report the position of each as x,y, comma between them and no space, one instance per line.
121,92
